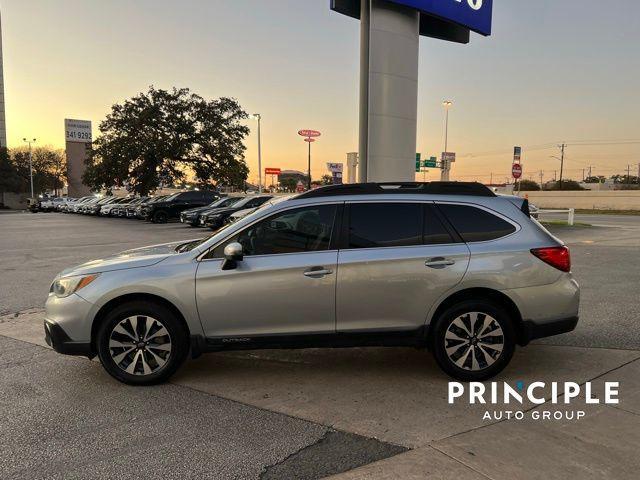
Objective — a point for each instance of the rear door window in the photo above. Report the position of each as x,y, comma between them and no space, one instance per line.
375,225
475,224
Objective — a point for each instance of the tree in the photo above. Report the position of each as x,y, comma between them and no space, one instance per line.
288,184
569,185
326,180
49,168
595,179
527,186
169,136
9,179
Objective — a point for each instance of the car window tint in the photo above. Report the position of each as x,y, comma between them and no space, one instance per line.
435,232
474,224
294,231
373,225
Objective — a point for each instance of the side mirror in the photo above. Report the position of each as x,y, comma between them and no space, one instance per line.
232,255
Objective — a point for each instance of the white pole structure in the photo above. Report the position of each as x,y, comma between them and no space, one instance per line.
30,163
389,46
446,165
258,117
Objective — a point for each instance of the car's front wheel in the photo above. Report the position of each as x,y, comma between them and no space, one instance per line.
473,340
142,343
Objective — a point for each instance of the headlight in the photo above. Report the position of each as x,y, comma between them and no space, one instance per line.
63,287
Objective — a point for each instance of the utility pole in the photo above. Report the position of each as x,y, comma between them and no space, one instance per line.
562,147
30,163
590,171
541,187
258,117
628,174
555,175
583,174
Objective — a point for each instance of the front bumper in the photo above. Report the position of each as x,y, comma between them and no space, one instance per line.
57,338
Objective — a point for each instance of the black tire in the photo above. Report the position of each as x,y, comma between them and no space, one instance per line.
178,341
478,368
160,217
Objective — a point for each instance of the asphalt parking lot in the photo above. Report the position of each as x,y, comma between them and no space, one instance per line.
372,413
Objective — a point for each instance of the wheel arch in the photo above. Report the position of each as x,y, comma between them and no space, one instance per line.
133,297
494,296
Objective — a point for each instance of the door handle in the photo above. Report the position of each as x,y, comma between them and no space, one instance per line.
317,272
439,262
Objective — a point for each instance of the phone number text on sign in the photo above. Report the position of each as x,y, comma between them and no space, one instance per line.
77,131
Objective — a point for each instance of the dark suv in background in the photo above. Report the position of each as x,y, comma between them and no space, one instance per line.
170,207
215,218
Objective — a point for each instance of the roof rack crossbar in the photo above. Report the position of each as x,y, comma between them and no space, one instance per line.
428,188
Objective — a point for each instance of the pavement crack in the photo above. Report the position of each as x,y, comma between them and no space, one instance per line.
267,468
466,465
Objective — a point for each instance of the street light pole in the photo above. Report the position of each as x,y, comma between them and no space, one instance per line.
30,163
258,117
446,167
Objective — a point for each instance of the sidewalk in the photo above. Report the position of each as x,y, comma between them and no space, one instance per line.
399,396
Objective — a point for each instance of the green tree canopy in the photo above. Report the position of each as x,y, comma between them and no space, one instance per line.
49,168
9,179
527,186
167,136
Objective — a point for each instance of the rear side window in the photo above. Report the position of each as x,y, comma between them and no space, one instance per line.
474,224
373,225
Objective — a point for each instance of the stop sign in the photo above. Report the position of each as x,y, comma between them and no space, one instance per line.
516,170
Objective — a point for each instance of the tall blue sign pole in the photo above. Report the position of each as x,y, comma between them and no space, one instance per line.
389,45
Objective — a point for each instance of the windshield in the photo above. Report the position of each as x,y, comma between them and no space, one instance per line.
224,202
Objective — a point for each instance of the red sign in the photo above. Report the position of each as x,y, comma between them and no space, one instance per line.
299,187
310,140
516,170
309,133
272,171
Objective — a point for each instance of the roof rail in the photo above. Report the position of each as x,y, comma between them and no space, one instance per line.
429,188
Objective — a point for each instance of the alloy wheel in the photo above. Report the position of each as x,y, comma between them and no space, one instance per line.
474,341
140,345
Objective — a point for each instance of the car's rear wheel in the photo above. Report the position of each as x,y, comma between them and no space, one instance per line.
473,340
142,343
160,217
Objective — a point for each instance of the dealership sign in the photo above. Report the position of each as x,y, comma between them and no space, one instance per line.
77,130
472,14
309,133
272,171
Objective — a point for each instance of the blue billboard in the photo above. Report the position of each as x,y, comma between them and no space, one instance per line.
472,14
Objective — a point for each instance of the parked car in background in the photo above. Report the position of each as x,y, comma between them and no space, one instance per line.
77,206
216,218
192,215
234,217
141,209
444,266
107,207
170,207
93,208
51,203
120,210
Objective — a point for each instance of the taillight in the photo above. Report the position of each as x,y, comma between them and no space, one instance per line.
557,257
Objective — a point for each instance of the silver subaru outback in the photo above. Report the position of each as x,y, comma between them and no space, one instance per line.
447,266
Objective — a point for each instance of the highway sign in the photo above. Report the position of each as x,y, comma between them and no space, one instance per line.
516,170
418,162
272,171
431,163
309,133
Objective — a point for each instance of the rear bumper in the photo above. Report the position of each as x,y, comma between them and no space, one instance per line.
57,338
532,331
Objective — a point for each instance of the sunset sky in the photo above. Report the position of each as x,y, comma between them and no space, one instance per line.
552,71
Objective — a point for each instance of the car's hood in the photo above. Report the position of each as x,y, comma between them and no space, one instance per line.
136,258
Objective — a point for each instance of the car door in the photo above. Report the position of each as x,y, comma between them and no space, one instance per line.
285,284
398,259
